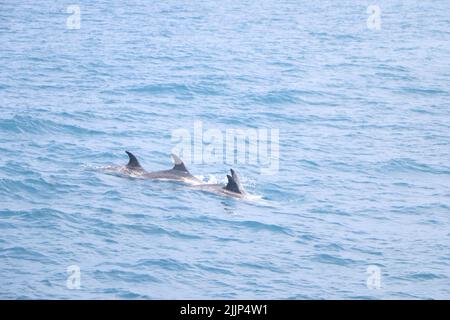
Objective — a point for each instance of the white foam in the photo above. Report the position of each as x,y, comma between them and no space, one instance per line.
209,179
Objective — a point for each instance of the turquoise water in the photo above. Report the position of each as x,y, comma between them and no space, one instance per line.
363,175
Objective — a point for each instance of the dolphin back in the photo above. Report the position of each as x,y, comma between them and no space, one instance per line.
179,165
133,163
234,184
179,170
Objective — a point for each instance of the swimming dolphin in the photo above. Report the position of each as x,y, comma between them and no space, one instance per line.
177,173
232,189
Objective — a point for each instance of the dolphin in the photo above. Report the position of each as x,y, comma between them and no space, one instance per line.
232,189
177,173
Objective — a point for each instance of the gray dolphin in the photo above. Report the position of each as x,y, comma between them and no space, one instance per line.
177,173
232,189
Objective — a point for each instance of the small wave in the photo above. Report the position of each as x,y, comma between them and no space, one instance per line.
309,164
177,89
425,91
423,276
33,186
156,230
404,164
34,214
161,88
212,269
28,124
22,253
307,238
127,276
259,226
261,266
329,246
166,264
276,97
330,259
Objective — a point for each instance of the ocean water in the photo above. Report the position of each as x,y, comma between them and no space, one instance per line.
364,139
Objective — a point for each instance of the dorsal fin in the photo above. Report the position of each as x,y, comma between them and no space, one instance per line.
133,163
179,165
234,185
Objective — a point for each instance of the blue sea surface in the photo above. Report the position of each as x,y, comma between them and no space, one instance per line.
364,169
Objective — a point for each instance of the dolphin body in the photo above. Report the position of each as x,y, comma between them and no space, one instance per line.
177,173
232,189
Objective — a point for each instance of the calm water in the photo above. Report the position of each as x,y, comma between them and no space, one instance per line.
364,168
